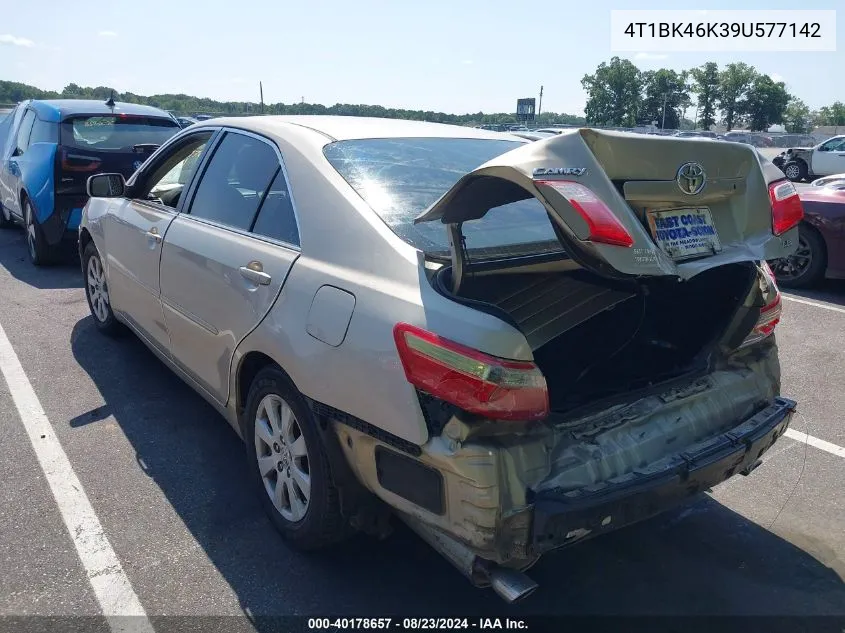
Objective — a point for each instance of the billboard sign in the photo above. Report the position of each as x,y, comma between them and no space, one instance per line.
525,109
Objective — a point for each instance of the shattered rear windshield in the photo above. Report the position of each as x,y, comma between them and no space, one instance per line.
401,177
116,132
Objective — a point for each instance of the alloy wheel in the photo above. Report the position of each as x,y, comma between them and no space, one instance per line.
795,265
282,458
98,291
792,172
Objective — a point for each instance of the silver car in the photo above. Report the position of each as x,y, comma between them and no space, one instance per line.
512,346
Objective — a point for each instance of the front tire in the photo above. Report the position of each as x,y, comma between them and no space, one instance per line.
806,266
795,170
97,292
36,245
288,464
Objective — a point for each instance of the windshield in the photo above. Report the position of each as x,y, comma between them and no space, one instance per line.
116,133
401,177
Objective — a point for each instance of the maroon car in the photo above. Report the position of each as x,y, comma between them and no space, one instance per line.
821,242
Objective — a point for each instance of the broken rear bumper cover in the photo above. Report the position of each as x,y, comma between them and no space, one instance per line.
562,518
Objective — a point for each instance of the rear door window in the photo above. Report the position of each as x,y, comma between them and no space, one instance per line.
119,133
236,181
25,131
276,218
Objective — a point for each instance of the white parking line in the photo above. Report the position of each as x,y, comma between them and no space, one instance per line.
815,442
814,304
105,573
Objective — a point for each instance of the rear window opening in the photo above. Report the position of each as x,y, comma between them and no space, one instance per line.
399,178
120,133
594,338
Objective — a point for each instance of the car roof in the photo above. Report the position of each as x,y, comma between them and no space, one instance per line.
57,109
342,128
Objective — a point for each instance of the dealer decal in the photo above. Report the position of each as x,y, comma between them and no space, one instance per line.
682,227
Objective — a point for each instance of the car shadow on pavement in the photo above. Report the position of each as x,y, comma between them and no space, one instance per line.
65,273
701,559
829,291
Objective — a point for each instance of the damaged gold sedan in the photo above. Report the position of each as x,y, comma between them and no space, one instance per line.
574,336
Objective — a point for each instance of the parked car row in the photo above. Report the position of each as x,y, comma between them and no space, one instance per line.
49,148
511,358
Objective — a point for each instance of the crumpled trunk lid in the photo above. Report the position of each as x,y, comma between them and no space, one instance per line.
688,205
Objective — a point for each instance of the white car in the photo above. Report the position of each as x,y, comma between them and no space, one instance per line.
825,159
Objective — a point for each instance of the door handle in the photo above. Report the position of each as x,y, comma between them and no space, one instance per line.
153,234
254,271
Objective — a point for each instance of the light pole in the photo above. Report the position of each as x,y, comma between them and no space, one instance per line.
665,96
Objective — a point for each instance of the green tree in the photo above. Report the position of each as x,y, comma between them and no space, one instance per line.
72,91
663,88
765,103
613,93
705,84
797,117
833,114
734,82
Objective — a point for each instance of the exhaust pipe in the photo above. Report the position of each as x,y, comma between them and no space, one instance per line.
511,585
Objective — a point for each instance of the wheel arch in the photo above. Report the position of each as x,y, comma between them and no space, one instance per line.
358,505
23,196
248,368
810,226
85,238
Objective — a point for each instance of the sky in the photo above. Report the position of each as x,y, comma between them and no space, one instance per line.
454,56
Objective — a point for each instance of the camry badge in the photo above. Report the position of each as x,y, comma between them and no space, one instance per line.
559,171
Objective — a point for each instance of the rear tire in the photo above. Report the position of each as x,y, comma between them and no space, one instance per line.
288,464
807,265
36,245
795,170
97,292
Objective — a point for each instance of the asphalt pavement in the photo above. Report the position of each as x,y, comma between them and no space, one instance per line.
166,477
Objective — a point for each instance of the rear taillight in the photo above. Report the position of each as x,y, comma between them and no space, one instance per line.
770,313
787,211
604,227
79,162
474,381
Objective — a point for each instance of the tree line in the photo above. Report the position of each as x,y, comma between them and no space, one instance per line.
737,95
13,92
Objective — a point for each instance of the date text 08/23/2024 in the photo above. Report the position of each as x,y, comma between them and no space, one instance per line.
435,624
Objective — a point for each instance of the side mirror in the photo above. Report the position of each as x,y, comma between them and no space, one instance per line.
106,186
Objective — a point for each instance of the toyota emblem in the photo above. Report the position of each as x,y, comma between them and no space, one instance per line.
691,178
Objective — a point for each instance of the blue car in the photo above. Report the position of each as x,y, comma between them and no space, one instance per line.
49,148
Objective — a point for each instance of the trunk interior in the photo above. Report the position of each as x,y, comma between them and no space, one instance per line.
593,338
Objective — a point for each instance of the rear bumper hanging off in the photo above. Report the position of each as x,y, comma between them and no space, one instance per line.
562,518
